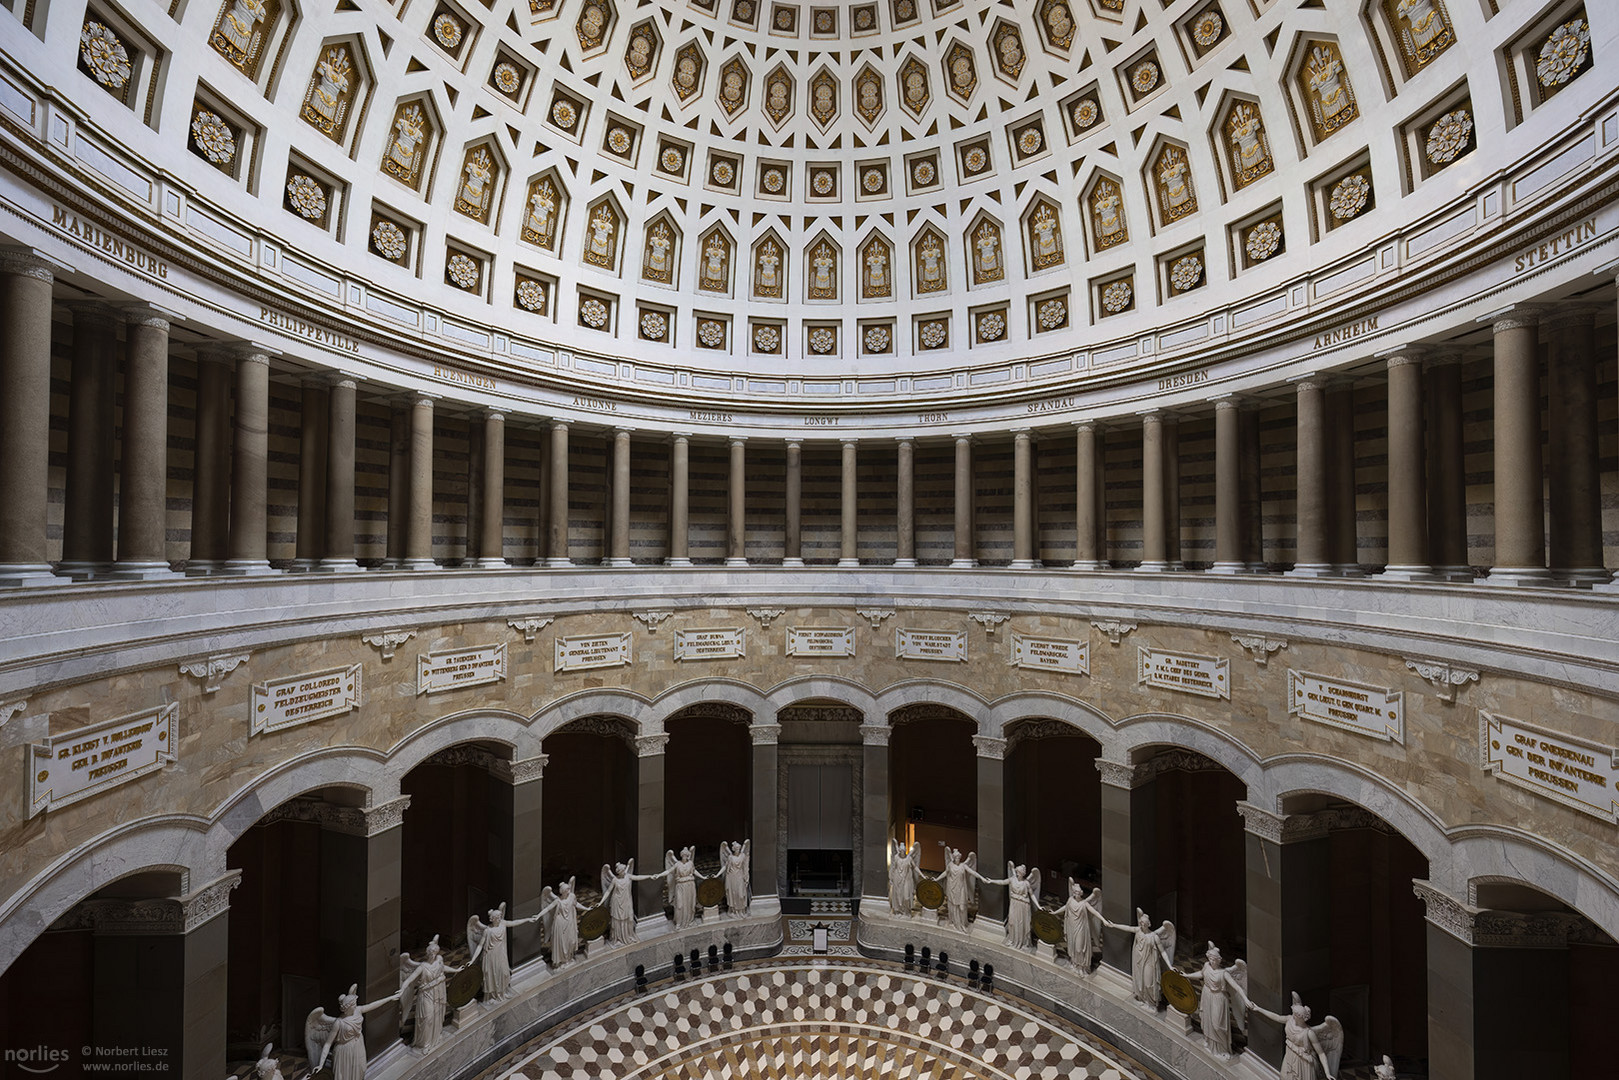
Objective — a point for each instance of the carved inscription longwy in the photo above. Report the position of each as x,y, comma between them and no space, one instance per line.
1051,654
1204,676
303,699
1366,710
436,671
1571,771
86,762
593,651
820,641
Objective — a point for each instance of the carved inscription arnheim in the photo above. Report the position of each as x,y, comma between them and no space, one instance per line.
82,763
1346,333
314,333
143,261
1570,771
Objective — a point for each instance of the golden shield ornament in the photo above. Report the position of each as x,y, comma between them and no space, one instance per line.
1179,991
464,985
710,892
593,924
1047,927
930,894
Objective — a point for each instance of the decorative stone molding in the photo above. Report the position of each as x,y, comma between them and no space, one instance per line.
765,734
1178,761
925,710
522,771
1114,629
210,901
530,626
652,619
990,747
1514,317
25,262
650,745
1537,930
1258,647
1445,911
611,727
146,315
1294,828
348,820
715,710
137,917
989,620
766,614
876,615
464,754
1445,679
387,640
1261,822
1119,774
11,709
820,714
1024,730
875,734
213,669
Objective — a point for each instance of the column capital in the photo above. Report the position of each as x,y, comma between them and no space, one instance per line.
1155,413
415,397
765,734
27,262
1570,314
849,440
1085,425
493,414
249,352
1022,434
736,440
875,734
522,771
964,437
1121,774
1402,355
651,745
149,315
901,440
793,444
91,311
1514,317
621,430
351,381
557,425
1314,380
988,746
213,899
1449,914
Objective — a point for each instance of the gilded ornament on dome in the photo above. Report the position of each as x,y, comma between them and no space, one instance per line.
641,52
711,333
1248,144
213,137
773,180
1449,136
1008,46
878,339
785,20
766,339
672,159
462,271
823,183
1086,113
914,92
778,96
541,8
1116,297
868,93
657,255
960,72
240,30
448,30
593,313
564,113
306,196
822,340
1422,28
904,11
975,160
594,20
715,262
1349,196
1107,215
619,140
1207,29
1263,240
1172,176
931,275
989,263
822,272
768,270
531,295
601,236
1144,77
687,77
991,326
933,335
540,214
865,19
1051,314
1326,87
388,240
1045,236
876,270
104,55
1058,20
1030,140
723,172
733,92
924,173
1186,272
476,189
826,21
1564,53
873,181
1112,5
506,78
331,89
408,143
654,325
824,97
743,11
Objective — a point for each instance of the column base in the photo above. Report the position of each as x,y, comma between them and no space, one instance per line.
963,564
847,563
304,566
1537,577
794,561
681,561
491,562
1156,566
1313,570
203,567
1349,569
735,560
1259,568
1408,573
1229,568
81,571
1612,586
618,560
1021,564
248,567
141,571
1455,573
339,566
1583,577
1092,564
557,563
1176,566
27,575
904,564
407,564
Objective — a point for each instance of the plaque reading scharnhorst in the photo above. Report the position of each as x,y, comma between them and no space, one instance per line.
1571,771
1366,710
1051,654
820,641
86,762
303,699
452,670
594,651
930,644
1205,676
710,644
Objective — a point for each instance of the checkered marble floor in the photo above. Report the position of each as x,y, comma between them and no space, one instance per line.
804,929
830,1018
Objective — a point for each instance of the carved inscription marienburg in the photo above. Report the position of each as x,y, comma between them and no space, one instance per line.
1571,771
82,763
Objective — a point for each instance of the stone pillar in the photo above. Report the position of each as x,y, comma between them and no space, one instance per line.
736,521
1172,492
793,539
492,531
419,524
205,923
249,469
1086,527
1447,476
515,803
1228,558
765,809
1129,847
210,483
25,416
905,514
144,468
874,823
1343,532
1520,526
1253,494
1408,558
679,500
87,515
1154,502
649,849
849,526
992,823
557,551
312,436
1022,500
1576,475
1452,1050
342,393
966,543
618,549
1313,557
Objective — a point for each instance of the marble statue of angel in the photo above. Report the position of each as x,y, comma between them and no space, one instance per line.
1151,948
341,1037
488,941
1385,1071
560,910
1022,893
681,876
957,877
268,1067
1082,925
424,992
1224,1001
737,864
904,871
1306,1046
618,893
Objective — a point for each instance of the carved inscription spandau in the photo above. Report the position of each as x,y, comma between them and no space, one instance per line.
67,768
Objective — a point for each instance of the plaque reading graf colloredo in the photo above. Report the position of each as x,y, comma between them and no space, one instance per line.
287,703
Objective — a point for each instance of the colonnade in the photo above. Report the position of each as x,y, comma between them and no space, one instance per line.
1427,513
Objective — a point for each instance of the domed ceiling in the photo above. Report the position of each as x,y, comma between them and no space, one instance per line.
906,182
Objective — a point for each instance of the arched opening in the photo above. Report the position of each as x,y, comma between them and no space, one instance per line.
447,874
1054,803
708,780
933,781
820,800
591,768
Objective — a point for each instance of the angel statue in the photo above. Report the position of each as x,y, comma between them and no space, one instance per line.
1082,925
1224,1001
422,992
618,893
904,871
957,886
1151,946
268,1067
681,876
342,1037
1306,1045
560,910
489,941
1385,1071
1022,893
736,863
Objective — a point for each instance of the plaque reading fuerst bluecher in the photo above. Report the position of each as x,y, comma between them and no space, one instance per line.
90,760
438,671
304,699
931,645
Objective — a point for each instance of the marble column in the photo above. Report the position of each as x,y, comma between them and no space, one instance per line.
793,538
618,548
556,518
1172,492
1129,846
515,803
763,825
342,394
1452,1049
1520,525
25,416
312,440
991,754
1153,500
419,523
1408,558
87,515
1447,476
849,525
144,464
905,513
492,530
1575,469
1253,492
204,977
1022,499
736,518
966,553
649,849
679,500
1342,525
1312,557
249,468
1228,558
210,483
1087,529
874,821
